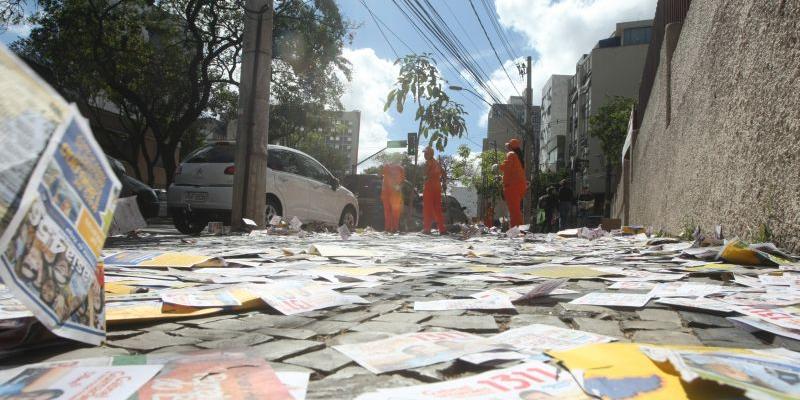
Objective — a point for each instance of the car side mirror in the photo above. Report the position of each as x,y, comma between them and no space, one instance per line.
334,183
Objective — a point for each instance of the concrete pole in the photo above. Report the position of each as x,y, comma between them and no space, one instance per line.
250,180
531,148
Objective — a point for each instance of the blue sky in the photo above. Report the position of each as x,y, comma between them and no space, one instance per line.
554,32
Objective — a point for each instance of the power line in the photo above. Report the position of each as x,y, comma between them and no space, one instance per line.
375,20
494,19
486,34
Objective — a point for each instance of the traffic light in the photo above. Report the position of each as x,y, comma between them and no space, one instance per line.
412,143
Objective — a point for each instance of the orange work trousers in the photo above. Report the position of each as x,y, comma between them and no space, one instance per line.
432,210
392,209
514,202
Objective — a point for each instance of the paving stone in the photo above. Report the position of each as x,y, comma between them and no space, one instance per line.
388,327
152,340
403,317
649,325
351,387
279,349
484,323
326,360
444,312
349,372
166,327
518,321
355,316
243,340
229,324
727,335
791,344
201,321
591,285
666,337
603,327
206,334
281,367
90,352
358,337
277,321
589,310
177,349
703,320
288,333
327,327
383,308
652,314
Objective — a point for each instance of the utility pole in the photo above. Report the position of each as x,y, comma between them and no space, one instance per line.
250,180
531,146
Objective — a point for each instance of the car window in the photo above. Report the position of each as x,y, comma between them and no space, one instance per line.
310,168
282,160
218,153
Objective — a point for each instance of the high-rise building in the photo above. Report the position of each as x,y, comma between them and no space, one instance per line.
344,134
613,68
554,120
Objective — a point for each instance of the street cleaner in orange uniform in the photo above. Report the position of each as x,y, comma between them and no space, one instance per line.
432,195
514,183
392,196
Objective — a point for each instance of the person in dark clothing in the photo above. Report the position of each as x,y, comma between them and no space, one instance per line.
549,203
585,204
565,200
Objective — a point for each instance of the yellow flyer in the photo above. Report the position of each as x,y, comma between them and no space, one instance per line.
161,259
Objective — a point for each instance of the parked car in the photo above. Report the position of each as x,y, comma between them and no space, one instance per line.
146,197
367,188
297,185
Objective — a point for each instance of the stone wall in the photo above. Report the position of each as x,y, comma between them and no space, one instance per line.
720,140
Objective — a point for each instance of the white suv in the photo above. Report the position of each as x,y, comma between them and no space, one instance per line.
297,185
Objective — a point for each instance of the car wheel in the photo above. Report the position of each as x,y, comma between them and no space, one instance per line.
273,209
188,223
348,218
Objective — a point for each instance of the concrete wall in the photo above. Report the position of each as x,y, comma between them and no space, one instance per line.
730,153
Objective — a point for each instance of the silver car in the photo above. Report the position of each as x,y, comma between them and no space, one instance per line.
297,185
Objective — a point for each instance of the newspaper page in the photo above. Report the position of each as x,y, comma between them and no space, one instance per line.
68,382
760,375
538,338
201,298
786,317
412,350
531,380
51,246
30,114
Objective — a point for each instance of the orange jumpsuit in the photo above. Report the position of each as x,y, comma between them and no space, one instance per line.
432,197
392,196
514,186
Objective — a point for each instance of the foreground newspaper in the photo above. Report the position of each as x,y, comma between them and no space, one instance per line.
49,247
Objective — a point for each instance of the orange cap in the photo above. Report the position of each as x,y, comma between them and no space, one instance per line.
513,144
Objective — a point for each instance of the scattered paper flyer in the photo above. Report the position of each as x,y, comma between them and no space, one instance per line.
699,303
754,324
531,380
489,303
339,251
785,317
210,375
685,289
298,297
633,285
161,259
127,217
538,338
201,298
613,299
106,382
296,382
412,350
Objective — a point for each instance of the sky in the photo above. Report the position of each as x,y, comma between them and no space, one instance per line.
555,33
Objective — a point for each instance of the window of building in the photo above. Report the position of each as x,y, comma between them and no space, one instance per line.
632,36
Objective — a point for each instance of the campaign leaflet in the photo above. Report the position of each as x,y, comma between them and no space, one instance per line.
50,250
412,350
531,380
78,382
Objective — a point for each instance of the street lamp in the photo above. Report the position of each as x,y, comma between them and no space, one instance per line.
459,88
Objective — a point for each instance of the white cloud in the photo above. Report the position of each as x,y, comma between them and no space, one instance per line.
372,80
21,30
562,30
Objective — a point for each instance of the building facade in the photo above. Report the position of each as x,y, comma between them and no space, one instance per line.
554,123
613,68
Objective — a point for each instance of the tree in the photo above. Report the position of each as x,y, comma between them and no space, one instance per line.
163,64
439,117
610,125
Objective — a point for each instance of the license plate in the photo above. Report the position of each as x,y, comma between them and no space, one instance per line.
196,197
